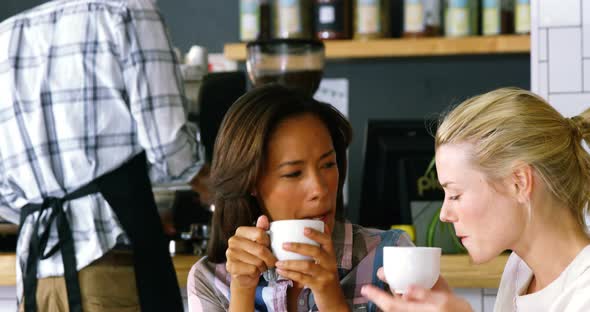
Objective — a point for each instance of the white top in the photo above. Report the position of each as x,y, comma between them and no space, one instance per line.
570,292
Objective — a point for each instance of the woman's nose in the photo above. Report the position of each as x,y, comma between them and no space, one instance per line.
318,186
446,214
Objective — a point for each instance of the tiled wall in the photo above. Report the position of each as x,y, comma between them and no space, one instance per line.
560,53
480,299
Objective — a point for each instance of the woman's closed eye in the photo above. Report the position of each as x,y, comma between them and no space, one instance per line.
293,174
454,197
330,164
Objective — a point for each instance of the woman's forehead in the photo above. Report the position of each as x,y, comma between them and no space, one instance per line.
301,133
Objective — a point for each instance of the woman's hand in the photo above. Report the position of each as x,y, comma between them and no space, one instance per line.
417,299
321,275
248,254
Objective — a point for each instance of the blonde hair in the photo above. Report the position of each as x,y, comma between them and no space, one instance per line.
509,125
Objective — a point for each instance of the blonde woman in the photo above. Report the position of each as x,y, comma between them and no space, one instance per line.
516,177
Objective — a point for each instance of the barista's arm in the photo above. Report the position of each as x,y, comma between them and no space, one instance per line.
156,96
7,212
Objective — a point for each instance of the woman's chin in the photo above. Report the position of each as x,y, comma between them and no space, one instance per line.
480,257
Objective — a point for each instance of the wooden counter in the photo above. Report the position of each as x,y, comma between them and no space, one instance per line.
182,264
456,269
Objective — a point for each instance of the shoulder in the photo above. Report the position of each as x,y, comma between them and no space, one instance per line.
46,12
208,283
577,289
516,274
204,273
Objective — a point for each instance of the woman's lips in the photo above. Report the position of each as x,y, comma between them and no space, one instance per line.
322,218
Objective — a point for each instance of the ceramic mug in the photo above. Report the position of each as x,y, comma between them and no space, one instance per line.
291,231
405,266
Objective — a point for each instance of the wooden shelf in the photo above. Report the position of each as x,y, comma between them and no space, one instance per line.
351,49
456,269
460,272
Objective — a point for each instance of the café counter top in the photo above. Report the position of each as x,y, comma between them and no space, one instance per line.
456,269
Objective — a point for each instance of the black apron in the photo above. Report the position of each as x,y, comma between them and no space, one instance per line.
128,191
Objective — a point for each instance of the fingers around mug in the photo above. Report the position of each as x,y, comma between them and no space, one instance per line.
302,266
242,262
442,285
382,299
416,293
303,249
324,259
323,238
381,274
255,249
298,277
263,223
254,234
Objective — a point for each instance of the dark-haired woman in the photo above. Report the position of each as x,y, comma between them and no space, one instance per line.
282,155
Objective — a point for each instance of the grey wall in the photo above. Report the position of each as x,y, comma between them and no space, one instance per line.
401,88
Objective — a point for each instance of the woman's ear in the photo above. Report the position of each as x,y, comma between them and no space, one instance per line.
523,182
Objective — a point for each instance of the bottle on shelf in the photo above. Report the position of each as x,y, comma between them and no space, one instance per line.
461,18
332,19
396,18
497,17
522,17
292,19
254,20
371,19
422,18
265,20
249,20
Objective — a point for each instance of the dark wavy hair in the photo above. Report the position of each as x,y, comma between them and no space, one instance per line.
240,151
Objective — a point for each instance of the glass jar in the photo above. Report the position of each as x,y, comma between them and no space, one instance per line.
497,17
371,19
461,18
254,20
522,17
422,18
292,19
249,20
332,19
295,63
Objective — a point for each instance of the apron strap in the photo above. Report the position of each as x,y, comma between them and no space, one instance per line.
128,191
65,244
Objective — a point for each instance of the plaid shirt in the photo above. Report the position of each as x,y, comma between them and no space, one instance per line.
85,86
359,253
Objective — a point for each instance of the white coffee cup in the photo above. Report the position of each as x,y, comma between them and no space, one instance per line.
291,231
405,266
